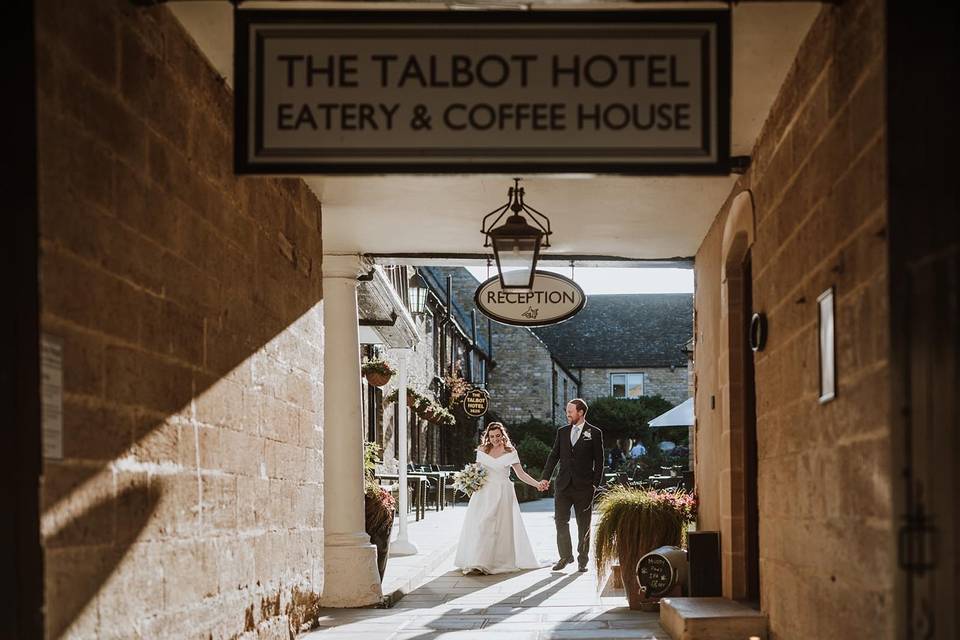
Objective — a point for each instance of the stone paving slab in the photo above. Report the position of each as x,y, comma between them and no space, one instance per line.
442,604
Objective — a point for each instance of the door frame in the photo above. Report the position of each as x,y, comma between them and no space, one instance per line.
21,614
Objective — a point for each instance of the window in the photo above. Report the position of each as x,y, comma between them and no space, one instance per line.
373,409
626,385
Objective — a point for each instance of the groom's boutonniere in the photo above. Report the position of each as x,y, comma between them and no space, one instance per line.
587,435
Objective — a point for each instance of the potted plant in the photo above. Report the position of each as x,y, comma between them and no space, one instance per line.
377,371
412,397
424,407
378,506
633,522
446,418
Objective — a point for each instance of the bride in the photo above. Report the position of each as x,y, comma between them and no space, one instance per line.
493,538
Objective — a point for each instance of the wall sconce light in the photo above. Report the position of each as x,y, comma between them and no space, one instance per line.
516,243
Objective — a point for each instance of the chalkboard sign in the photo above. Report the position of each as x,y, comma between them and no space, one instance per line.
661,570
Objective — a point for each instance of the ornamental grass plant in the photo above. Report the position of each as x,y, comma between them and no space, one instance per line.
633,522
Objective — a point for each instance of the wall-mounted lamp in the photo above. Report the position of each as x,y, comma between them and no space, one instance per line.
758,332
516,244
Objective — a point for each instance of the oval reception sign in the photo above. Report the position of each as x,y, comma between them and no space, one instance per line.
552,299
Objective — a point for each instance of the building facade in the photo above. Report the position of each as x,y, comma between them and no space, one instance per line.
447,349
527,381
627,346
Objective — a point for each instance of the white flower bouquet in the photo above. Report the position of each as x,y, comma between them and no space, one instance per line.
470,479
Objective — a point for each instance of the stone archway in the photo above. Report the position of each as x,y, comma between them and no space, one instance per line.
738,511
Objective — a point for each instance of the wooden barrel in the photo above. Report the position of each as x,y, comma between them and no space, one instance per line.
662,570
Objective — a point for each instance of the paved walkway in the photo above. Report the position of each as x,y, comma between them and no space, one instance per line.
531,605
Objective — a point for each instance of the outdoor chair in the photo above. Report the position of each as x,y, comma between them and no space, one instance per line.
433,489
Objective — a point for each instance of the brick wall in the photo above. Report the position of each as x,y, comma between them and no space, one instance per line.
671,384
818,180
189,500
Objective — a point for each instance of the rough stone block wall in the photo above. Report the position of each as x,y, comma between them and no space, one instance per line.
672,385
189,499
421,369
521,384
818,180
559,416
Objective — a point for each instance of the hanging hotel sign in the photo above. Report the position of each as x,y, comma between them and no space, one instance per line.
552,299
476,402
634,92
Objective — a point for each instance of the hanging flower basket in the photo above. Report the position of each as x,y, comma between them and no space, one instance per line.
412,397
435,413
424,407
377,372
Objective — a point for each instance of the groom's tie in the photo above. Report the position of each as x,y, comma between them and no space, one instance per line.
574,435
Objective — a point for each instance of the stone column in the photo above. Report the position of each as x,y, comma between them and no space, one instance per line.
351,578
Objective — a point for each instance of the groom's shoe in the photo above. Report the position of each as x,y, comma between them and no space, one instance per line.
561,563
582,568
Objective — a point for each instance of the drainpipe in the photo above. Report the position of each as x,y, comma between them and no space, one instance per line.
489,341
473,344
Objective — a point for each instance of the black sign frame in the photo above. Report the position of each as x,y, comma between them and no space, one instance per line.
486,402
245,18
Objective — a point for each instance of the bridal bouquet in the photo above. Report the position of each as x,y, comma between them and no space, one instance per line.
470,479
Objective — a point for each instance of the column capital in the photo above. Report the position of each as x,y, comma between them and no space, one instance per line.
344,265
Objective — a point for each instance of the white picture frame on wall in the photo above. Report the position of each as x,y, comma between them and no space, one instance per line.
827,340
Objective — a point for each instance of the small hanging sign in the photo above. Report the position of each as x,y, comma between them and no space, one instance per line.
553,298
475,402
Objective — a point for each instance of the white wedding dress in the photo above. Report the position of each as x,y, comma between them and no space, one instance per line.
493,538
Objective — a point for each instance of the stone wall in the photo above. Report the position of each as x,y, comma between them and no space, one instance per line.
818,182
672,384
521,383
189,499
421,368
567,389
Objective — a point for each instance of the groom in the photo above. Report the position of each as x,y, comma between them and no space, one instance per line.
579,449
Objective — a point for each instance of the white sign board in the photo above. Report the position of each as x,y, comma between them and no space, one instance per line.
51,395
485,91
552,299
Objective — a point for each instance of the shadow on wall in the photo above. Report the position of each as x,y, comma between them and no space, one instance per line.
188,302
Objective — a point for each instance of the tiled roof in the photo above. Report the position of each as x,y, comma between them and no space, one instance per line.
624,330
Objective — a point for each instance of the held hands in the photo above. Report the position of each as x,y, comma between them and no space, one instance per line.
543,485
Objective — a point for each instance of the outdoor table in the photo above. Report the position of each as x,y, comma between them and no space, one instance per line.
419,482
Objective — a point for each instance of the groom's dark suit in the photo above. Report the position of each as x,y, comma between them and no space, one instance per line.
581,472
